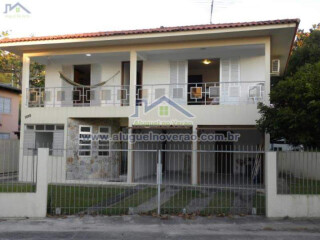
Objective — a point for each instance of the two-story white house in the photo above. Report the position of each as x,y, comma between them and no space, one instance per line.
189,79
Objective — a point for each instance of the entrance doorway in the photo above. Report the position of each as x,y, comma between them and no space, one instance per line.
194,84
125,79
82,75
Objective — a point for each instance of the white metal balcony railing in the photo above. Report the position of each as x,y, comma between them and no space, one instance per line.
213,93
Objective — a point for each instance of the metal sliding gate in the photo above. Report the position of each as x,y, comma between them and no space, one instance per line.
216,182
202,182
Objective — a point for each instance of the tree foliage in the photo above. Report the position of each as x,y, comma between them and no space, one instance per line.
306,49
295,111
11,69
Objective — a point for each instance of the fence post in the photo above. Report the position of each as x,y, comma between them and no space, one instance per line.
159,179
271,182
194,159
42,180
130,159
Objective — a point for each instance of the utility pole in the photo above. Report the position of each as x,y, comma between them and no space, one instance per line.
212,1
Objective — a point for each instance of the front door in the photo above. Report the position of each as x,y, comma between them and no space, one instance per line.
125,76
194,85
81,95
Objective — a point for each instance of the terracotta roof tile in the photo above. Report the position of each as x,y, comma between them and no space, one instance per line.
152,30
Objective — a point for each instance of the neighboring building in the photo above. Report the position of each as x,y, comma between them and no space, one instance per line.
282,145
9,111
199,79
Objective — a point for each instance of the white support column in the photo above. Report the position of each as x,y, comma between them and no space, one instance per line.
194,158
133,77
24,86
267,54
130,159
25,78
42,180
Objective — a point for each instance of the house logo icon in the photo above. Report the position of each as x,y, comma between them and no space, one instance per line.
16,8
164,104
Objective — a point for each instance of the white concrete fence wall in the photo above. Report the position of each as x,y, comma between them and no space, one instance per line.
31,204
34,204
285,205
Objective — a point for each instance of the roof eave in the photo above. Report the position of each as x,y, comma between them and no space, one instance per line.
17,47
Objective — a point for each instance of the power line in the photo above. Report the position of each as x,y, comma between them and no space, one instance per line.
212,2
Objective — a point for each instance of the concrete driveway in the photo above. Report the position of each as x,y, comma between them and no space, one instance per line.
147,227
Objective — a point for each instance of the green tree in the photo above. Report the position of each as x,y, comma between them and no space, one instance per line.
11,69
295,111
306,49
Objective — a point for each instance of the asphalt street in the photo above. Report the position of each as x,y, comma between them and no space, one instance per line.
148,227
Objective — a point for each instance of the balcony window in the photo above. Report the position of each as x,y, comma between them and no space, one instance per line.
202,76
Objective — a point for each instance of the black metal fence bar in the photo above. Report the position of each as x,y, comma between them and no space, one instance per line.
18,173
228,182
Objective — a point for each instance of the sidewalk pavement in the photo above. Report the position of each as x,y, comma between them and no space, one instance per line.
148,227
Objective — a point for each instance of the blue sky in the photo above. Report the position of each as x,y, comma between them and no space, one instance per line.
51,17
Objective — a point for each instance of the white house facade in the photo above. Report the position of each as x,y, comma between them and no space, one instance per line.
190,80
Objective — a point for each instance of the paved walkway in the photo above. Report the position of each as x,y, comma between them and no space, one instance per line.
152,203
147,227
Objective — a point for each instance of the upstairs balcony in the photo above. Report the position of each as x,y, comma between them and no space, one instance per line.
203,93
223,75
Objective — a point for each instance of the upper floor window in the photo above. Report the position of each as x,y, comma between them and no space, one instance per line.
5,105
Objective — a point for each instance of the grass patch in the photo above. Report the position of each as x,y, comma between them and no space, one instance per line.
17,187
304,186
220,204
180,200
259,202
74,199
132,201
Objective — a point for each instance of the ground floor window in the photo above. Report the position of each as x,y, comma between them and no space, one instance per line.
4,135
104,141
43,136
85,140
101,138
44,139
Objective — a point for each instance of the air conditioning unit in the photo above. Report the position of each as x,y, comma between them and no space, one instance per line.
275,67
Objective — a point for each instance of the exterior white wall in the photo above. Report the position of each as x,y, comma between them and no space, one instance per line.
52,77
252,69
156,72
278,205
28,204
